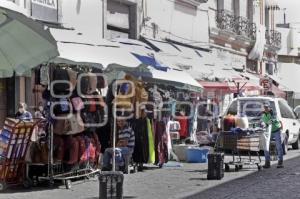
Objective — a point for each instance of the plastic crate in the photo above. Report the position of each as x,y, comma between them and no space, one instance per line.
196,155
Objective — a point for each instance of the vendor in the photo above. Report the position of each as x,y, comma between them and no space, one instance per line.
125,142
268,118
22,113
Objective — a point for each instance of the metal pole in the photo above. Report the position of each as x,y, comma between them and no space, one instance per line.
284,16
114,129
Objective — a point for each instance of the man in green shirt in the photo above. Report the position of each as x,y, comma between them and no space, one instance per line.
268,118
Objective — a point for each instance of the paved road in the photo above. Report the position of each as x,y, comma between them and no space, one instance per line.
182,182
268,184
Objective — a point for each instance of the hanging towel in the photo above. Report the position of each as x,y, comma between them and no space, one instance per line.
151,143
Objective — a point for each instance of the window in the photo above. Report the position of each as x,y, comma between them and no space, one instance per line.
121,20
233,108
244,8
254,108
195,3
285,110
229,5
250,10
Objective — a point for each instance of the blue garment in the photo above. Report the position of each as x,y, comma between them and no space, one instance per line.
120,152
277,136
24,116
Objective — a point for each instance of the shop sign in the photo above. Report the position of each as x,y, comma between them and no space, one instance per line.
210,95
266,83
45,10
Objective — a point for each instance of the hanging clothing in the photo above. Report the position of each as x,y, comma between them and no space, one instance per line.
151,143
141,148
172,127
183,125
161,143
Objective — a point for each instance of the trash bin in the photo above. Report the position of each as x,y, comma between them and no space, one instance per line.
215,166
111,185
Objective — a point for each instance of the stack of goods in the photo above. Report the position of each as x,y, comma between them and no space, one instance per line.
249,143
241,139
204,138
229,122
14,141
230,138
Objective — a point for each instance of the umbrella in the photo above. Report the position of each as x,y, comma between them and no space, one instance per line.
24,43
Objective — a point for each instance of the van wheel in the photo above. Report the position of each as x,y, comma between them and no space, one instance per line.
296,145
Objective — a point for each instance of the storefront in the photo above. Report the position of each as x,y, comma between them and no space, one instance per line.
24,43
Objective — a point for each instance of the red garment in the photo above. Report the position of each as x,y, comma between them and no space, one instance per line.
183,126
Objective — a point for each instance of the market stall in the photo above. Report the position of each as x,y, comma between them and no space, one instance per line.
25,43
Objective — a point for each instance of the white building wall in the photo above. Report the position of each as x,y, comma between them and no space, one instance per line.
85,16
290,39
177,21
243,8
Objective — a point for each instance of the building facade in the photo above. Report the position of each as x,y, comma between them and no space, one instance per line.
240,34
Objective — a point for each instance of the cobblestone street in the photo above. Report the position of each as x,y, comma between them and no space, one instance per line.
188,181
268,184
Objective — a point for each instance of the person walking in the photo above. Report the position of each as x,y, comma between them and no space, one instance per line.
269,118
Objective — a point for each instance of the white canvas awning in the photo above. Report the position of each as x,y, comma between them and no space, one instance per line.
79,49
196,62
24,43
177,78
172,76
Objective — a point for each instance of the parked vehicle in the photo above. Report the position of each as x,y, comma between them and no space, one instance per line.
251,107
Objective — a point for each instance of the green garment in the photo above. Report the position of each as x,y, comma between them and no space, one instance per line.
268,118
151,143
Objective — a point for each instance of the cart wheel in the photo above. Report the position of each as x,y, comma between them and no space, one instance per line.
140,168
134,169
27,184
3,186
51,183
227,168
236,168
68,184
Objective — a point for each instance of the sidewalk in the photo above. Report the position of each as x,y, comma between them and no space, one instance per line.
152,183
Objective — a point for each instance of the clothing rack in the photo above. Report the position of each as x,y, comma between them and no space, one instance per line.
55,170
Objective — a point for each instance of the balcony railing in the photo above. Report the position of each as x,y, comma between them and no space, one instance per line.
273,38
226,20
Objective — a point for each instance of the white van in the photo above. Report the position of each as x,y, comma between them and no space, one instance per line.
252,107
